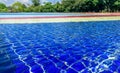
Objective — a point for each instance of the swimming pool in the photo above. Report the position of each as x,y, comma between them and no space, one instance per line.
71,47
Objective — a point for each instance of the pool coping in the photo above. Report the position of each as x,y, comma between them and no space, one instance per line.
53,19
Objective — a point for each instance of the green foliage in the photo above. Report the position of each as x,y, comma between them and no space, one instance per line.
68,5
58,7
18,7
65,6
37,9
109,5
3,8
117,5
48,7
84,5
36,2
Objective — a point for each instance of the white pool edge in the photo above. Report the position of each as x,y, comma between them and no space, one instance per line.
57,20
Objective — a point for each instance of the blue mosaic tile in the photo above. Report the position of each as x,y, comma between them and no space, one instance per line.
117,62
118,70
71,71
106,71
86,71
72,47
78,66
113,67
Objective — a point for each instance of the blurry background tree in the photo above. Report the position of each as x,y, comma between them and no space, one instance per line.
116,6
36,2
3,8
48,7
18,7
68,5
59,7
109,5
84,5
64,6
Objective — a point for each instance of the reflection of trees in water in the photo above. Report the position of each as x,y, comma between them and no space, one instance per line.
6,65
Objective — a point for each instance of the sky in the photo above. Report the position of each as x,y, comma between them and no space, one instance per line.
9,2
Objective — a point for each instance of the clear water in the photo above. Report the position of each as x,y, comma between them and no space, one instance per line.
81,47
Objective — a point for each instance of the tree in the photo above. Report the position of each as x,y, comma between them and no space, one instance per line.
18,7
106,5
36,2
58,7
65,6
68,5
48,7
109,5
82,5
37,9
117,5
29,8
3,8
89,6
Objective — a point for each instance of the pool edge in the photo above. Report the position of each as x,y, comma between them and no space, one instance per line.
56,20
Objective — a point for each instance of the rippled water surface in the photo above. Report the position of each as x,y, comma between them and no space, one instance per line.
74,47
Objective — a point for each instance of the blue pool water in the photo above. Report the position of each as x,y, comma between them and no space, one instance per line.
72,47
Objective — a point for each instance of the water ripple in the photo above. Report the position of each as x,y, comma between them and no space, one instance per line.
81,47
